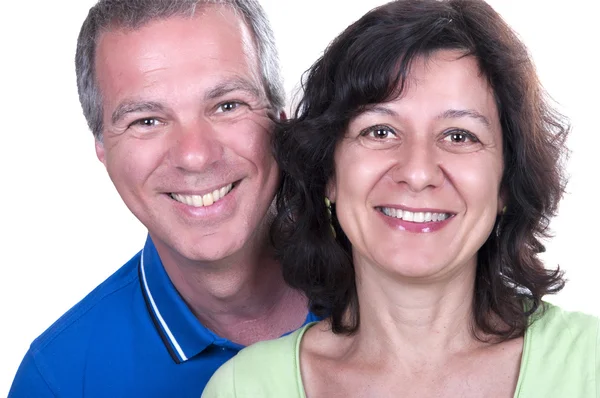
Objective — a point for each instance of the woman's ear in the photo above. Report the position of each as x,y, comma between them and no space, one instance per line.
502,201
330,190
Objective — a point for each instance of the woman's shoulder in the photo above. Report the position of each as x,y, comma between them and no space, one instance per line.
552,323
561,354
265,369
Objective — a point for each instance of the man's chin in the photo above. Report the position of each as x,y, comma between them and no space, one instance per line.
213,248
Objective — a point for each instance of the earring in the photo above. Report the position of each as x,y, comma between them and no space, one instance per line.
328,206
499,221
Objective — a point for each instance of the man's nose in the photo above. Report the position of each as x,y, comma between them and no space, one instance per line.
195,146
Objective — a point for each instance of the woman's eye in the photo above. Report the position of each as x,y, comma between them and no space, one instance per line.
378,132
460,136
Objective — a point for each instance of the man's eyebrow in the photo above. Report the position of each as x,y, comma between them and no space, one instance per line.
237,84
460,113
135,106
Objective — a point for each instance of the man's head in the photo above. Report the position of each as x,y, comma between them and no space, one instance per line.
132,14
179,95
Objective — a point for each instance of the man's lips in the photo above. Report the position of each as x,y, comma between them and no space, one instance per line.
203,200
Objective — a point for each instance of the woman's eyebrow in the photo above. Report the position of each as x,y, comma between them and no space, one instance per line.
447,114
461,113
382,110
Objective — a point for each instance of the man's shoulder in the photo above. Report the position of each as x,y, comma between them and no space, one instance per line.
81,338
100,301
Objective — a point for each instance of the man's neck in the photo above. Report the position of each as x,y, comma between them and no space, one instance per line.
242,298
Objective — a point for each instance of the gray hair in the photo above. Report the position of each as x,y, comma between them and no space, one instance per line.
111,14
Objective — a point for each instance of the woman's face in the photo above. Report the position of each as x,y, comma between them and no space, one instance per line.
417,180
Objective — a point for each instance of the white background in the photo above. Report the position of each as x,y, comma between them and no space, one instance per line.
64,228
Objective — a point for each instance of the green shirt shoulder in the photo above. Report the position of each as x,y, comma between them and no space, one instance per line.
561,358
265,369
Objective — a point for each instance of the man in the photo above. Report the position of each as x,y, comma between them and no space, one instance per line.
179,95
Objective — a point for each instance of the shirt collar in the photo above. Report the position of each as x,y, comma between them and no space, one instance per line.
181,332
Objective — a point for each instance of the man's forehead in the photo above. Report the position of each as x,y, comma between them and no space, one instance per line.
131,20
211,54
212,30
215,32
203,14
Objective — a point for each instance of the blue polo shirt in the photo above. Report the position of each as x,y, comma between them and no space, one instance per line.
133,336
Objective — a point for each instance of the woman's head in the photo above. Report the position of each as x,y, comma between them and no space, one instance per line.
422,106
416,181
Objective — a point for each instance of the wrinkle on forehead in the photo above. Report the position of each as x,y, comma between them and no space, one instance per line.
249,44
238,30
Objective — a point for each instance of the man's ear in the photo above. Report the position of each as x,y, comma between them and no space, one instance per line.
282,115
100,151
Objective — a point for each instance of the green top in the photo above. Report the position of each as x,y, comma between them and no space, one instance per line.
561,358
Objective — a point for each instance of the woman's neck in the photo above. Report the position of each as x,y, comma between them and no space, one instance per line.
401,316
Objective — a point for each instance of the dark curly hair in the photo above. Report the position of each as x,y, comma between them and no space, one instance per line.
369,63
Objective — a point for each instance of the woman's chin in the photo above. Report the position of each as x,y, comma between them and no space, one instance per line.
423,268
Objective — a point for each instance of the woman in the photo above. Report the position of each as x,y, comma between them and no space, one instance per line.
425,126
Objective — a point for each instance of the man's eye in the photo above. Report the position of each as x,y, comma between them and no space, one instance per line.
146,122
229,106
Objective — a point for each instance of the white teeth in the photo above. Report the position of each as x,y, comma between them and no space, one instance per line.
417,217
223,191
207,199
203,200
194,200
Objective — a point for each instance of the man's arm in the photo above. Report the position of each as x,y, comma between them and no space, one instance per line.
29,381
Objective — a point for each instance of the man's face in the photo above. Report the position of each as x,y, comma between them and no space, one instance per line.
187,137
